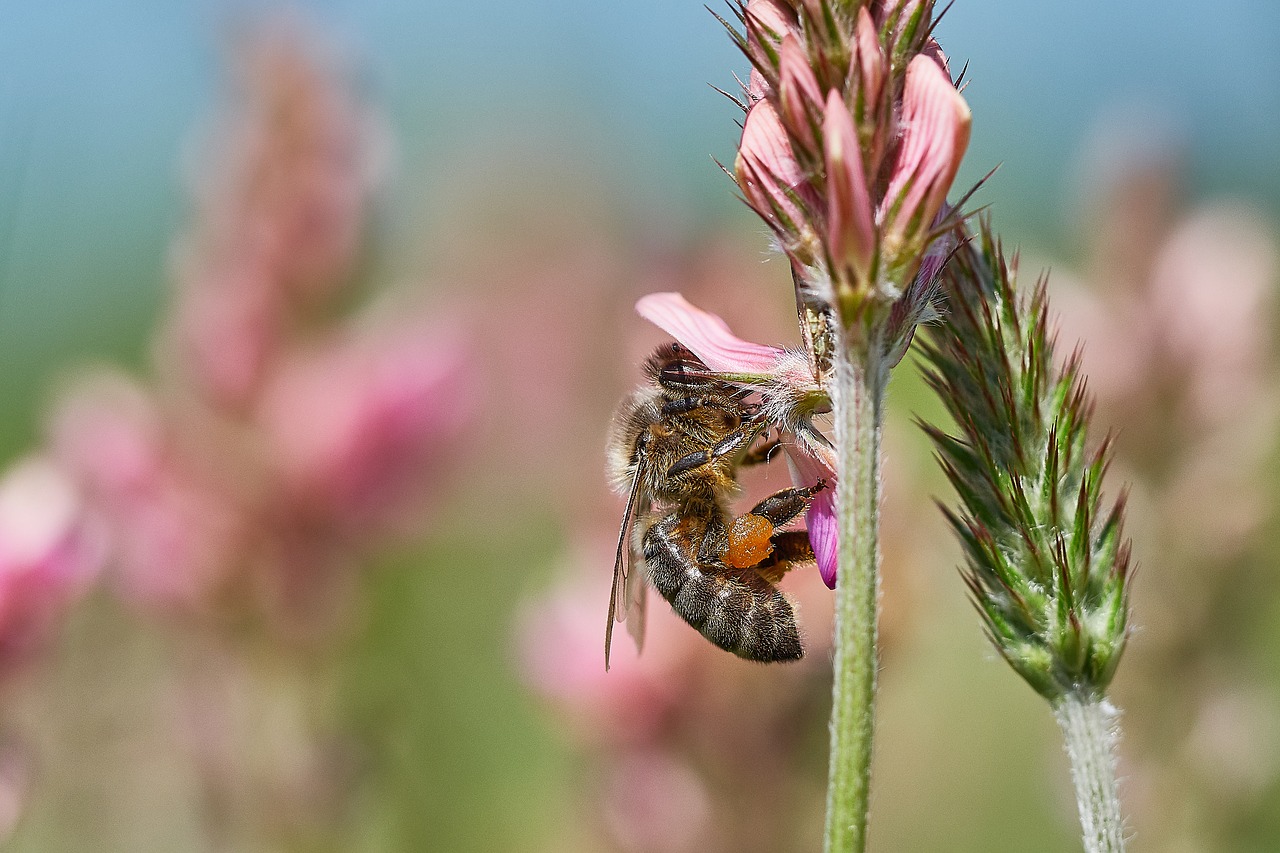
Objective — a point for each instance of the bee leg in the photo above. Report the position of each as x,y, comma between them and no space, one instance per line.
782,506
724,452
684,405
789,547
752,536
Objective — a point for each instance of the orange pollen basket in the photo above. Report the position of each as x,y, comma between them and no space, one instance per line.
749,541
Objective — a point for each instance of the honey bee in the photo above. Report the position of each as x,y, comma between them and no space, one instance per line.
676,446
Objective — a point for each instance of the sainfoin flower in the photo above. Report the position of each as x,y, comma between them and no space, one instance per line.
788,393
50,548
356,424
849,173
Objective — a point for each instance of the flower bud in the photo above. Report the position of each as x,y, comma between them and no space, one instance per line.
851,236
767,172
800,97
872,67
935,135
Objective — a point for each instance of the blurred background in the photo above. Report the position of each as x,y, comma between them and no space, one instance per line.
312,321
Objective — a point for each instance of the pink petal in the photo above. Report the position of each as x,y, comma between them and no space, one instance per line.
821,521
807,469
936,123
706,335
766,167
771,16
851,231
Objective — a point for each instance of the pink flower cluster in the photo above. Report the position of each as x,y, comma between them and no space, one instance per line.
280,187
853,135
281,438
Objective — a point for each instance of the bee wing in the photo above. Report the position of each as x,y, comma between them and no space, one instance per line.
637,583
627,597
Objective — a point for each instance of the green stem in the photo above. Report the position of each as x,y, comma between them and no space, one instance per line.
857,405
1089,733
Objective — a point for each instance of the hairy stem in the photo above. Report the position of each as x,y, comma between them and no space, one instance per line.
857,402
1089,732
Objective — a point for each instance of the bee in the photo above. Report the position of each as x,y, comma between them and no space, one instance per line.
675,448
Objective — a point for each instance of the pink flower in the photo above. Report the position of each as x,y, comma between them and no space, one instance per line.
851,235
357,423
654,800
558,642
789,393
51,547
174,533
280,196
935,134
767,172
813,166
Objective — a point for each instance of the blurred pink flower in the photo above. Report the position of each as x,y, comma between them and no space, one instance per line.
281,438
655,802
173,534
783,378
1213,281
281,186
51,547
298,155
559,648
357,422
225,327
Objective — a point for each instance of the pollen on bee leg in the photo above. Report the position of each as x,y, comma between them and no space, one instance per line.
749,541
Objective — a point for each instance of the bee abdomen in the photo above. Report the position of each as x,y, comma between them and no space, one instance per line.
737,610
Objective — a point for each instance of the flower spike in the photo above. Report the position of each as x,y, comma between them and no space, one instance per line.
1046,562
